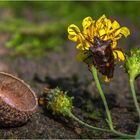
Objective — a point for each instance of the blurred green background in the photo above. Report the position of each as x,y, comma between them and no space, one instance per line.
36,28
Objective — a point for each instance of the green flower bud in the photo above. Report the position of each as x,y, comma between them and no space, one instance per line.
58,101
132,63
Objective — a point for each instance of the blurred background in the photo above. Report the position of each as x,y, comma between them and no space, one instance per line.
38,27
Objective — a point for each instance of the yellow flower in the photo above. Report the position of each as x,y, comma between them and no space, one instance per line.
101,35
102,28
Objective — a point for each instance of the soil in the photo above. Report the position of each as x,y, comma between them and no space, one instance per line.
62,70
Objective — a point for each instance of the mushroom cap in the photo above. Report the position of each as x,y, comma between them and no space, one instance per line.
17,101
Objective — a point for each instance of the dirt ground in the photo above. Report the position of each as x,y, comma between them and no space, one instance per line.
61,69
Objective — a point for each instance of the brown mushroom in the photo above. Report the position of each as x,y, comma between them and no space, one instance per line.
17,101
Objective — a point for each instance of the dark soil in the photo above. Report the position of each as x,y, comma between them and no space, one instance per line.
61,69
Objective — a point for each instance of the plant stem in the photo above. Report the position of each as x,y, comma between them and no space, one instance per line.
134,95
100,129
123,135
87,125
95,75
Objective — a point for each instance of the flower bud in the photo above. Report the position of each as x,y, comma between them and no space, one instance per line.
132,63
57,100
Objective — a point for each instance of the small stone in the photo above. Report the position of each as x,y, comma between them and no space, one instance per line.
78,130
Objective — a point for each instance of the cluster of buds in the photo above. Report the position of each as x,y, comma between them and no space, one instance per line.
132,63
57,101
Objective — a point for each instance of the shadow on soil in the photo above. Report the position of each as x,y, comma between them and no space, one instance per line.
78,90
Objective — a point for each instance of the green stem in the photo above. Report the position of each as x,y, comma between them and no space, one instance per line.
134,95
95,75
100,129
123,135
87,125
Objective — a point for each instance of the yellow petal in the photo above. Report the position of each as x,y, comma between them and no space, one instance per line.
107,24
106,79
73,38
114,44
80,46
82,55
101,19
103,26
74,33
115,25
87,21
73,29
84,45
102,32
101,23
122,31
118,54
88,27
125,31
